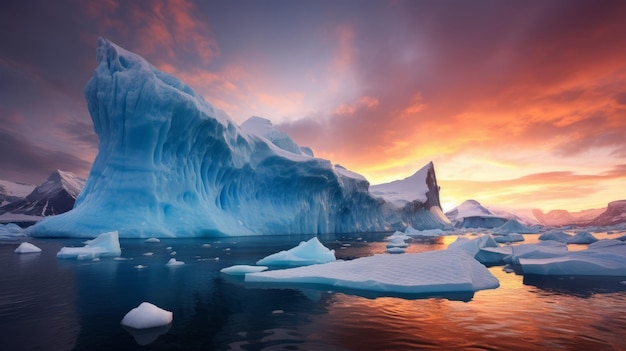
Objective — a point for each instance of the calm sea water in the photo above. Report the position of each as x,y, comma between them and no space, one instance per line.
52,304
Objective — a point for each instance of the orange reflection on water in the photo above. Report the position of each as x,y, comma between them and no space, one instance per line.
513,317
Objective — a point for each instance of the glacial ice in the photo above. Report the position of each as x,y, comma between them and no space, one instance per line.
306,253
105,245
147,315
242,269
27,247
422,273
153,240
171,165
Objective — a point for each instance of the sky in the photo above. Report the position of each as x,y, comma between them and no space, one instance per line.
519,104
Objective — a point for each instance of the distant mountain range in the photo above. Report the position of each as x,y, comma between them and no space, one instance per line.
471,214
55,195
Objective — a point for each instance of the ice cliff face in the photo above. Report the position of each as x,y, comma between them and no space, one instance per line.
170,165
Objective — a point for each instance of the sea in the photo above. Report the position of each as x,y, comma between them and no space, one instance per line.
57,304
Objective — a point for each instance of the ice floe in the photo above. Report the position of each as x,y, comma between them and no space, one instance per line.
105,245
242,269
423,273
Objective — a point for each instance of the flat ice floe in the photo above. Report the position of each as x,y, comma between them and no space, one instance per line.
602,258
105,245
242,269
446,271
306,253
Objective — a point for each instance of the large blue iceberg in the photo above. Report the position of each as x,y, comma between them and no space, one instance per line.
171,165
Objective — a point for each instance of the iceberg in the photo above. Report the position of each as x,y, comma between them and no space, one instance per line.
27,247
105,245
171,165
306,253
147,315
423,273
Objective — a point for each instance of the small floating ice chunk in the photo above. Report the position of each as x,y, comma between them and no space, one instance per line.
582,237
148,253
27,247
242,269
146,316
173,253
306,253
173,263
428,272
206,245
105,245
395,250
153,240
140,266
509,238
397,242
429,232
10,231
475,248
557,235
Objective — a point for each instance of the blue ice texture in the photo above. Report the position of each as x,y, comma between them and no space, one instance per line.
171,165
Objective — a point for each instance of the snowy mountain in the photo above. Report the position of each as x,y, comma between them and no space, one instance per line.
615,213
54,196
171,165
471,214
12,191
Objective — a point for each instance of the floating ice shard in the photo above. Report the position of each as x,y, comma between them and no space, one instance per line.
428,272
171,165
509,238
242,269
147,315
306,253
27,247
106,244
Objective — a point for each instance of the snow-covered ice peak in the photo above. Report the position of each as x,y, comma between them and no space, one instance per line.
421,186
170,165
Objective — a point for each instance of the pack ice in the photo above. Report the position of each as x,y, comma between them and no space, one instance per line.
446,271
171,165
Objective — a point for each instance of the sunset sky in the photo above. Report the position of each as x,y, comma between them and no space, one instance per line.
518,103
